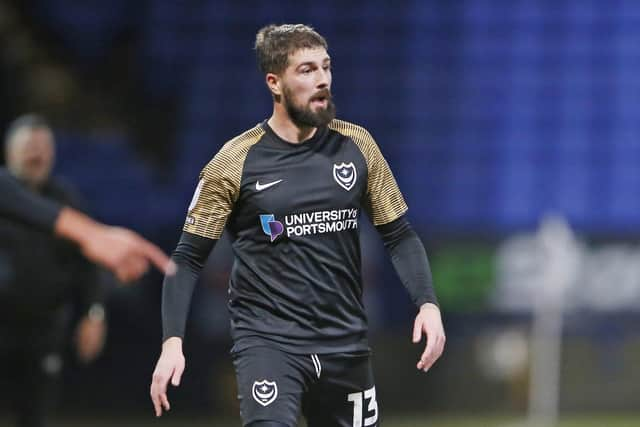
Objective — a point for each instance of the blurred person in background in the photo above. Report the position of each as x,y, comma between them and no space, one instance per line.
290,191
122,251
44,283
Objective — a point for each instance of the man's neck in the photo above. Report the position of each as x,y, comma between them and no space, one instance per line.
282,125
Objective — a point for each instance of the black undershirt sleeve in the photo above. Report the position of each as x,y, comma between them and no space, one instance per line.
19,204
189,256
409,259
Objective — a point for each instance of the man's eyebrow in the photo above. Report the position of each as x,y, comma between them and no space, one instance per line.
324,61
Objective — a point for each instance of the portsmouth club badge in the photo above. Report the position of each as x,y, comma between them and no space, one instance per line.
264,392
345,175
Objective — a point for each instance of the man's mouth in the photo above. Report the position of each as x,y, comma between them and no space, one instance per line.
322,101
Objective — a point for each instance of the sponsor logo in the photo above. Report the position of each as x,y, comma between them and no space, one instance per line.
345,175
264,392
260,187
271,227
320,222
309,223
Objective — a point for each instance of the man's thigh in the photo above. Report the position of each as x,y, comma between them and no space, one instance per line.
271,384
345,394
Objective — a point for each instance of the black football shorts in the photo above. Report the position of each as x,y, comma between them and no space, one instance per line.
332,390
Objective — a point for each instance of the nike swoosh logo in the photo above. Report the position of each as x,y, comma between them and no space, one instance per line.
261,187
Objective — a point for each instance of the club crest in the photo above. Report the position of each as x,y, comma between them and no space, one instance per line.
264,392
345,175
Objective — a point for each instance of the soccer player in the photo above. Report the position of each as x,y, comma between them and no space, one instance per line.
290,192
120,250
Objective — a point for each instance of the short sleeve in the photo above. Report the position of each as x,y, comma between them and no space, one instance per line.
385,201
218,187
212,201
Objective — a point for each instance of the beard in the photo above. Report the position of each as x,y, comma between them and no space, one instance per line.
304,116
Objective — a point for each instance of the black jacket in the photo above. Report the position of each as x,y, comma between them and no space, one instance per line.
39,273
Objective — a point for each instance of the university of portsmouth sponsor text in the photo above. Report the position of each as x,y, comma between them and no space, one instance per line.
303,224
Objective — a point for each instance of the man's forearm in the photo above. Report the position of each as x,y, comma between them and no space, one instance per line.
73,225
190,255
410,260
176,299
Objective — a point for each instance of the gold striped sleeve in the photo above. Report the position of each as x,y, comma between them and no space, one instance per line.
219,186
384,199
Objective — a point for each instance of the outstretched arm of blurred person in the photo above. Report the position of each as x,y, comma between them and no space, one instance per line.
120,250
410,261
190,256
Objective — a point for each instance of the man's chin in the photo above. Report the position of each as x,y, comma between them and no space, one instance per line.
320,120
320,113
313,117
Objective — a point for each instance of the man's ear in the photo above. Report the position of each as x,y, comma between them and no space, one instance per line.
273,83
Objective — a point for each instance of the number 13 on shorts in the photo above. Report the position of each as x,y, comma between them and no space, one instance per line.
367,396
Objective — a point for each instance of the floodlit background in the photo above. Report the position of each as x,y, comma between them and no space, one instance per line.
512,127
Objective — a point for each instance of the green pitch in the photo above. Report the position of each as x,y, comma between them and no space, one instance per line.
390,421
487,421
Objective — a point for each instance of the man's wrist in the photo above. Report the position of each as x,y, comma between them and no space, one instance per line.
172,343
429,306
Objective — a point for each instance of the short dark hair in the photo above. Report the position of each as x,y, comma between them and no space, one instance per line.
30,121
274,44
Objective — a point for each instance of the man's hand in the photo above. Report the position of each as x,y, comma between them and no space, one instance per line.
122,251
90,338
428,321
170,366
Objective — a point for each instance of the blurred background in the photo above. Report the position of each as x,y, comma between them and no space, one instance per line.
493,115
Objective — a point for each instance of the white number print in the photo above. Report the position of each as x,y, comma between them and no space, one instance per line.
357,399
373,406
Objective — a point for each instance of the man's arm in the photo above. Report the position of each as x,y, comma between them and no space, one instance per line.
410,261
91,328
22,205
190,256
386,207
120,250
213,200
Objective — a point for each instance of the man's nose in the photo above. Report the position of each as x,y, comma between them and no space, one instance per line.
323,79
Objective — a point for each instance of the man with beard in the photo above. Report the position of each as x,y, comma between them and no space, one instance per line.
122,251
43,281
289,192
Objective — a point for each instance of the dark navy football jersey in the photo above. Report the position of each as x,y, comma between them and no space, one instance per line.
293,213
